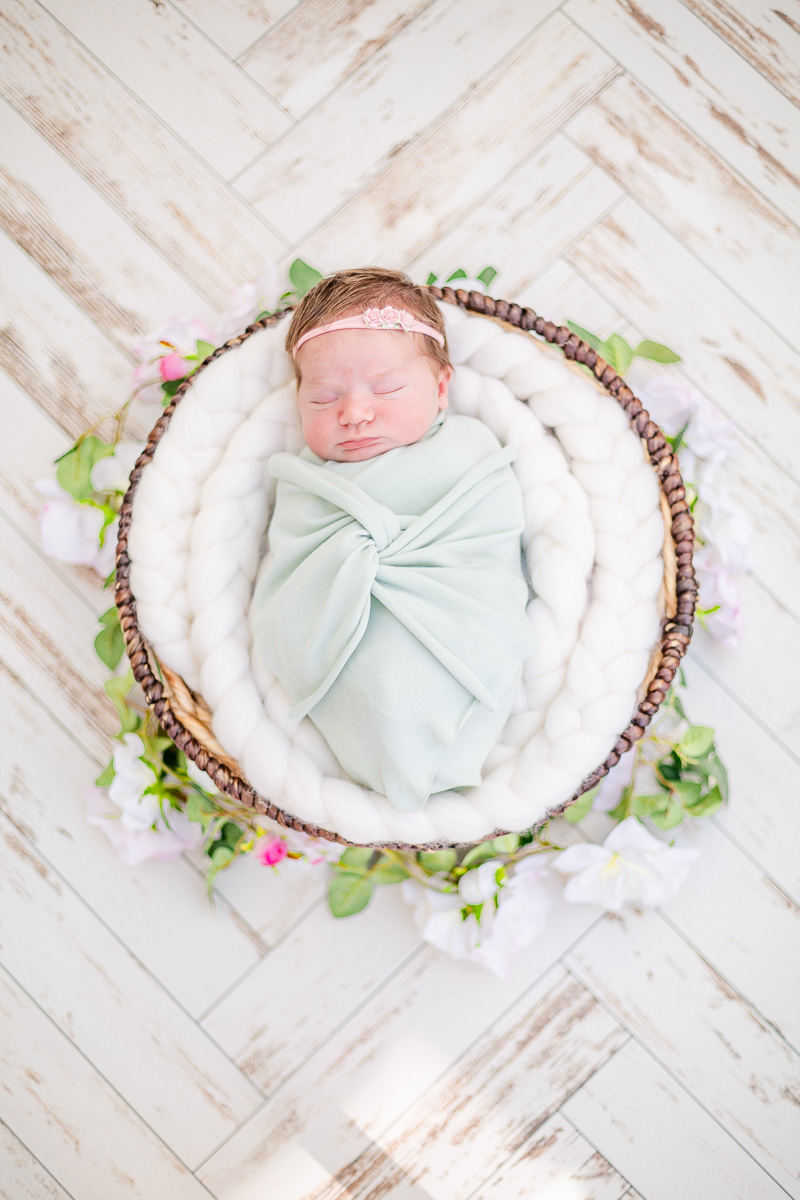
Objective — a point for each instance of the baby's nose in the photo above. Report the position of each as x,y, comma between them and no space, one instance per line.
355,409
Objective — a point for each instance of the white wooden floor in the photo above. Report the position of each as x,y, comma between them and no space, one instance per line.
630,164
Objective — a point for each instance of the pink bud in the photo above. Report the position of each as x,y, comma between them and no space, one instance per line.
172,366
271,850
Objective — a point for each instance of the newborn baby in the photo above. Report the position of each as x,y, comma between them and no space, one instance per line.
392,604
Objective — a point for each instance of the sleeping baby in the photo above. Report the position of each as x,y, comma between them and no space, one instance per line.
392,604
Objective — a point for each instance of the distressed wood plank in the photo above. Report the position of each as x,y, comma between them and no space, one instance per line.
47,639
159,910
490,1101
560,294
741,365
166,193
774,639
383,106
54,351
92,988
425,189
767,36
750,933
383,1058
700,1029
763,814
24,1177
528,220
712,210
707,86
234,25
329,967
81,1131
82,242
556,1160
193,87
321,43
273,901
659,1137
37,443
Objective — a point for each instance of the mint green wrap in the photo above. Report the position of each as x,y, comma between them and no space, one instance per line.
392,606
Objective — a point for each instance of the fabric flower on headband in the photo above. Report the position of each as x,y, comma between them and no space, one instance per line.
388,318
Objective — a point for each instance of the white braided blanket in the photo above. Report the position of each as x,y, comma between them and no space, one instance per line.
593,543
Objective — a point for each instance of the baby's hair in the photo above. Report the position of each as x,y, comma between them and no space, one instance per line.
348,293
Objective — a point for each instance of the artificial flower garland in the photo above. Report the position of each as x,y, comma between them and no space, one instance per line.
487,902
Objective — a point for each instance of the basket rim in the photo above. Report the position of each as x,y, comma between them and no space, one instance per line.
184,715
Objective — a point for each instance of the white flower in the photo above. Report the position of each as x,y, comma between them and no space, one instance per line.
246,302
669,401
722,523
631,867
134,846
316,850
717,587
480,883
493,941
129,783
178,334
469,285
111,474
201,778
70,532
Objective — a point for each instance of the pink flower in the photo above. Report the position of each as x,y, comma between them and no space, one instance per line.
147,382
669,401
390,315
373,318
135,845
180,334
406,319
247,301
172,366
718,588
271,850
70,532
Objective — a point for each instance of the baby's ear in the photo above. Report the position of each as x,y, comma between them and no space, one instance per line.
445,375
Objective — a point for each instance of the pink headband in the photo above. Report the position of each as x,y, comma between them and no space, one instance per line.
375,318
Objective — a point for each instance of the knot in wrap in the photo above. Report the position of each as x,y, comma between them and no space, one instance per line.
394,595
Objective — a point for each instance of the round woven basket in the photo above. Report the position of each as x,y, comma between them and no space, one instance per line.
187,719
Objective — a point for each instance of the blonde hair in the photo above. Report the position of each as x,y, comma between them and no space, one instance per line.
351,292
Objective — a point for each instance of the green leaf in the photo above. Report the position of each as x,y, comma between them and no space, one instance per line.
169,387
617,352
198,810
348,893
387,871
221,857
75,467
720,774
656,352
105,777
204,349
696,742
459,274
117,689
707,805
478,854
231,834
646,806
487,275
432,277
671,816
357,857
688,791
437,860
303,277
506,844
591,338
675,700
581,808
109,643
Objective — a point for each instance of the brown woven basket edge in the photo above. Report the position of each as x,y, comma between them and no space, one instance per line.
185,716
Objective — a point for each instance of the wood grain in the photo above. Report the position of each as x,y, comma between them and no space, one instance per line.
659,1137
766,35
24,1177
429,186
168,195
707,85
701,1030
234,25
320,44
404,82
186,1090
159,910
731,354
715,212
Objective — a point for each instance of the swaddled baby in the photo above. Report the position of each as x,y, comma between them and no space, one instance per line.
392,604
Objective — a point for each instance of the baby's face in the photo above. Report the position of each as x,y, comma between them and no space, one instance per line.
365,391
